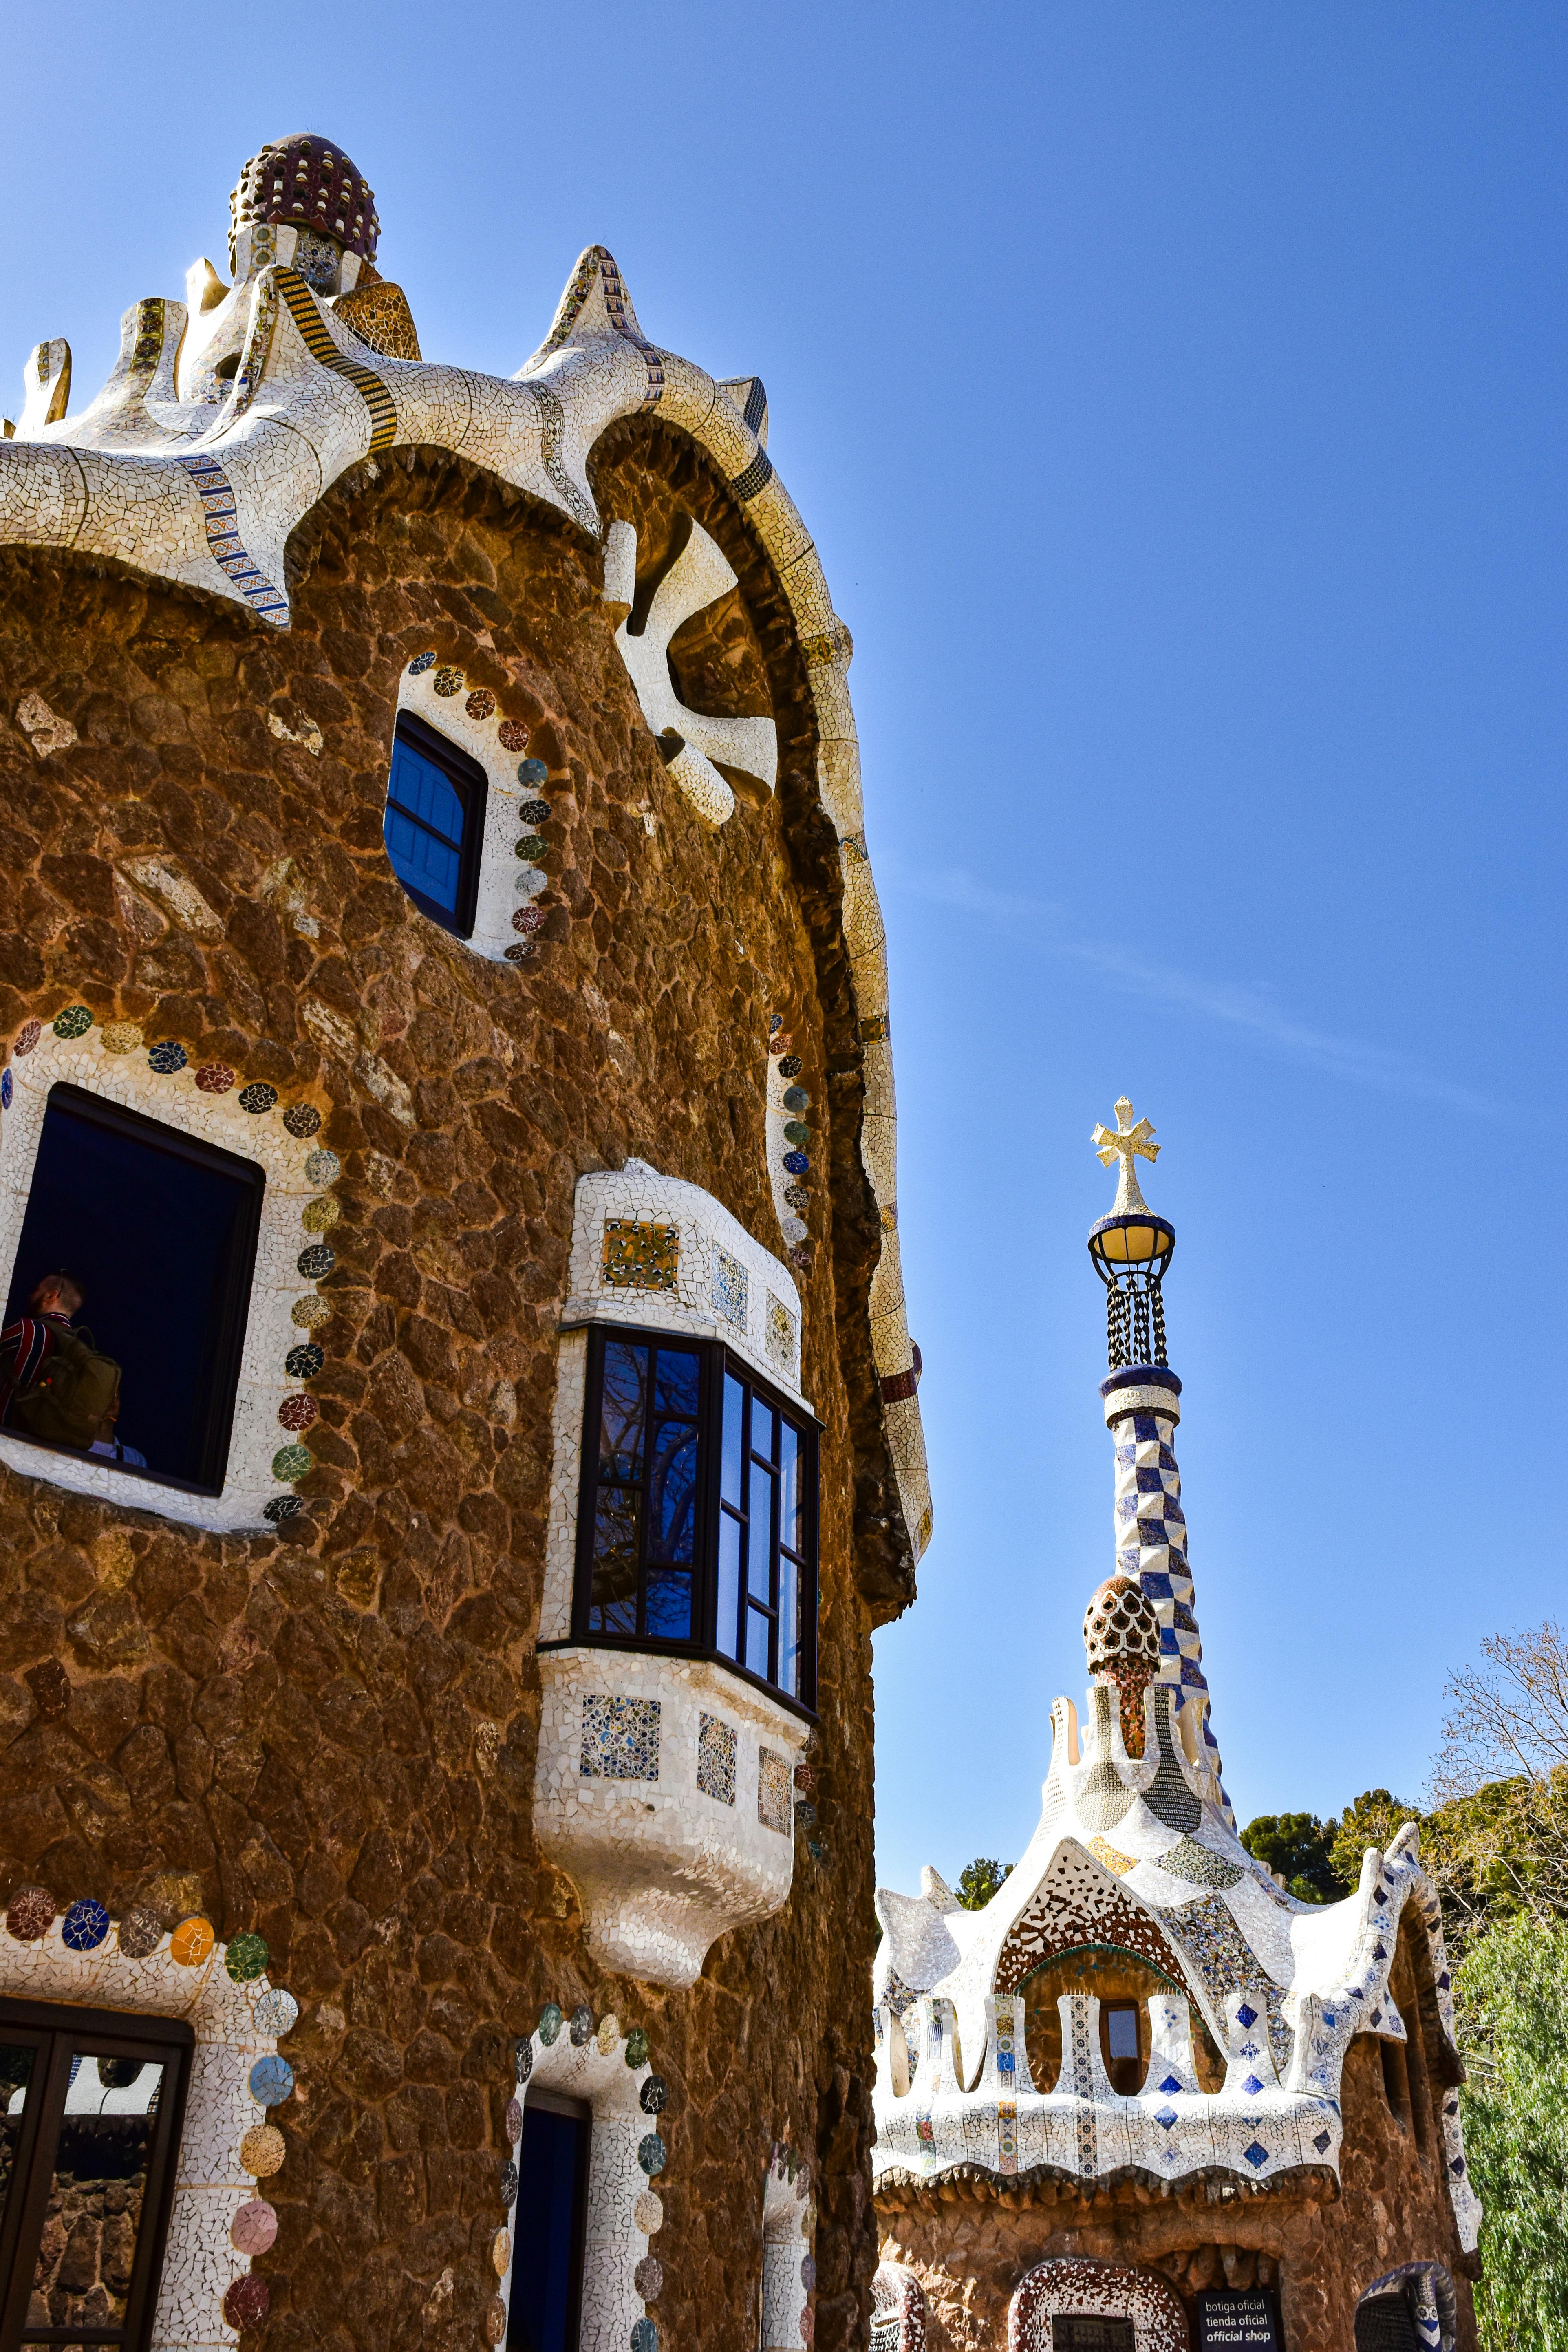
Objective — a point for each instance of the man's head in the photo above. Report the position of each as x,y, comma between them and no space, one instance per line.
57,1294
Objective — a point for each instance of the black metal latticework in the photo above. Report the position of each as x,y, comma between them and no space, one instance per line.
1131,1254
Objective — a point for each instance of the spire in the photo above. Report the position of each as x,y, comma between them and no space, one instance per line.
1132,1249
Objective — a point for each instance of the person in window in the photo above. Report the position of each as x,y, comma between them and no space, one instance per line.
54,1381
29,1345
108,1444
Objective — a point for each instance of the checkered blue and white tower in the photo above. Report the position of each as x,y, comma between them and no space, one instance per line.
1132,1249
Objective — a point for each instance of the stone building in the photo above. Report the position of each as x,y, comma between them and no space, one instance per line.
459,1421
1145,2098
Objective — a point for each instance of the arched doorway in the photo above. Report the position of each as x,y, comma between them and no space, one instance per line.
1073,2304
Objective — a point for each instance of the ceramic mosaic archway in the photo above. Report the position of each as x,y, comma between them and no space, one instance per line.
229,2146
610,2072
898,2310
1075,2287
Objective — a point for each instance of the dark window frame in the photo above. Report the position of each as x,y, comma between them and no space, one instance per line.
228,1353
58,2030
718,1362
470,783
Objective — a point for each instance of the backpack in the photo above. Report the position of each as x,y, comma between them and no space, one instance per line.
66,1404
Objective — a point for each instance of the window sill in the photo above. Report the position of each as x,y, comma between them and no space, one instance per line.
649,1646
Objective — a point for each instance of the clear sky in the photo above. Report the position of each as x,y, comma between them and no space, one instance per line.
1176,395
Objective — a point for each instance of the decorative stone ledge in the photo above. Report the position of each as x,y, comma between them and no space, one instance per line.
664,1790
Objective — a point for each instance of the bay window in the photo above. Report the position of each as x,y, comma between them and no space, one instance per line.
697,1520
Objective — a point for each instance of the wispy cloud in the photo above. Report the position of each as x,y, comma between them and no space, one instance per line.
1254,1010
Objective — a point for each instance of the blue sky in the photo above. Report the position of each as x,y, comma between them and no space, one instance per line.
1176,395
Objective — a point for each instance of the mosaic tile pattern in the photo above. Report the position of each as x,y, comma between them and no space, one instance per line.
663,1866
716,1744
783,1336
1074,2285
775,1807
620,1738
1151,1530
1144,1861
699,1227
730,1287
898,2310
608,2072
639,1256
217,2221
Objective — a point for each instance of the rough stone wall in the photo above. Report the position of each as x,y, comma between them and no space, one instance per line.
328,1735
1320,2250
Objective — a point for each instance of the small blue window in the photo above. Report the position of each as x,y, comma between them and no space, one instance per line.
434,823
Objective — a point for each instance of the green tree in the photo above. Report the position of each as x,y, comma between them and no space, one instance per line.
1298,1846
979,1880
1512,1996
1374,1819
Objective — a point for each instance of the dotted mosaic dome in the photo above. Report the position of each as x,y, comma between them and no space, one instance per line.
306,181
1118,1625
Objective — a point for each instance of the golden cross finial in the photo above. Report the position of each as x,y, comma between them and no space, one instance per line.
1127,1143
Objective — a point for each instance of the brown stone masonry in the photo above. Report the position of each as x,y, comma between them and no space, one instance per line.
329,1736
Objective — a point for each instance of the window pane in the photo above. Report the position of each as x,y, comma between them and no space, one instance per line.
612,1602
764,1430
758,1578
791,1499
675,1388
1122,2030
17,2062
735,1440
759,1634
789,1625
728,1635
419,858
418,787
621,1417
548,2233
668,1604
672,1493
82,2277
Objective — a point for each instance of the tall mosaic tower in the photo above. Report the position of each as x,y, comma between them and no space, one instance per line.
1145,2099
1132,1249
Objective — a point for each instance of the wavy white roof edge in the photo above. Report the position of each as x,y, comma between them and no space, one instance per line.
208,495
1319,1974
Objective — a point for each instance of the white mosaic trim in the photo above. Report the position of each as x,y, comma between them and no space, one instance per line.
210,2183
109,482
276,1285
614,2242
1076,2283
639,1193
698,577
662,1869
505,883
789,2218
1278,2108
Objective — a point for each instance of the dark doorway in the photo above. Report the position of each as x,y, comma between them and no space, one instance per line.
159,1231
551,2209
